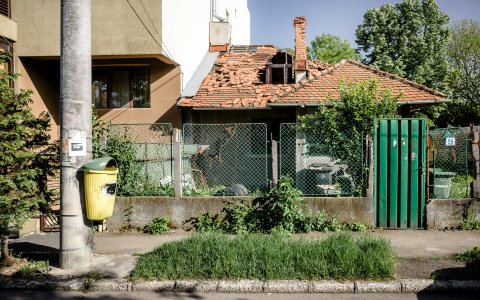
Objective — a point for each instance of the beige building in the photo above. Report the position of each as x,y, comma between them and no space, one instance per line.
133,80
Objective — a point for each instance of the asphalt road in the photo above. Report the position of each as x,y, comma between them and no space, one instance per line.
50,295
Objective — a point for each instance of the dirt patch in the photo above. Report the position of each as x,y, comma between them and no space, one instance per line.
436,268
13,266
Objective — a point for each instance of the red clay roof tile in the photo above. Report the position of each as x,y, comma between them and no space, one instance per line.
235,81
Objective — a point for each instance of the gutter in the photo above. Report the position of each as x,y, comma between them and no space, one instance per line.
315,104
228,108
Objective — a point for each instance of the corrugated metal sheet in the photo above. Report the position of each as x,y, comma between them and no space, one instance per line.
400,162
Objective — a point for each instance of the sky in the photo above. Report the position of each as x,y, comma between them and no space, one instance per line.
272,20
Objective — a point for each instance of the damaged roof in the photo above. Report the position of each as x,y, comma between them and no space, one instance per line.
236,81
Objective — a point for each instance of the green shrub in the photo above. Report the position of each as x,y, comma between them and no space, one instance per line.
208,222
281,211
157,226
471,256
269,257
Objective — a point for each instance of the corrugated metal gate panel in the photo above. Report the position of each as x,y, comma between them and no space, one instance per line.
400,156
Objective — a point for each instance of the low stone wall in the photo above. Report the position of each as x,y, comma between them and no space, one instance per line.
136,212
449,213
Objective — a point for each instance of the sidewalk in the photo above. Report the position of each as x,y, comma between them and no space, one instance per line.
421,253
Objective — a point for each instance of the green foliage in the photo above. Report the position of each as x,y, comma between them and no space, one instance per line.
279,212
33,268
99,131
217,256
208,222
122,149
408,39
460,186
470,221
463,54
157,226
26,160
331,49
281,207
470,256
131,180
344,126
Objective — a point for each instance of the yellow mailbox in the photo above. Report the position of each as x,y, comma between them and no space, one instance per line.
100,182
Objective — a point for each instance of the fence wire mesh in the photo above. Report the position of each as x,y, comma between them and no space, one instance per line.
224,159
448,163
320,167
144,157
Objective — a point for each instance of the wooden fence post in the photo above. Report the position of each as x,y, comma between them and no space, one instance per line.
177,162
476,160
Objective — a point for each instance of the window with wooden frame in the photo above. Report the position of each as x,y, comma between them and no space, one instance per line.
280,69
121,87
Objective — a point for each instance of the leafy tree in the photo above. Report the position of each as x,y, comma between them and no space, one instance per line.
408,39
463,53
24,161
331,49
344,125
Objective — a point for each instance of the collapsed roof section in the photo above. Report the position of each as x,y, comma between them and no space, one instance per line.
261,76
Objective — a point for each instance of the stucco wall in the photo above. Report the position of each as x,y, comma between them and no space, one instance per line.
116,28
138,211
8,28
449,213
42,76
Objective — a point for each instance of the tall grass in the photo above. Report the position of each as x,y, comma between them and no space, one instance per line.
217,256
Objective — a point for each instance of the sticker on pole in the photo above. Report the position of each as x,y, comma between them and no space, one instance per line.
450,141
77,145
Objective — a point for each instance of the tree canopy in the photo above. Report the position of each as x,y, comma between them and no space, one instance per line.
463,54
24,161
408,39
331,49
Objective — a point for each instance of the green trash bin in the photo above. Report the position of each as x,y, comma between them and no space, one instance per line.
100,182
442,183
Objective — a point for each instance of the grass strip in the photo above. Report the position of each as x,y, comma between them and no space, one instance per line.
266,257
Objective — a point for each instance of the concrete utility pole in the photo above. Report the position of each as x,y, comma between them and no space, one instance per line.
76,236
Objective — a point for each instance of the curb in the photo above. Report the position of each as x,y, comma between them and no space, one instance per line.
245,286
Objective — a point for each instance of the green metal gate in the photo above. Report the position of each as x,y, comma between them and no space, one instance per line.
400,160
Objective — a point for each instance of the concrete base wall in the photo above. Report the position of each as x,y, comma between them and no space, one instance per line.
449,213
136,212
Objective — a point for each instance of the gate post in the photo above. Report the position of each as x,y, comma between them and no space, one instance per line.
370,163
476,160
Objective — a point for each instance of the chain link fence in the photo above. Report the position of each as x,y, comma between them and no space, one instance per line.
320,167
224,159
449,175
144,156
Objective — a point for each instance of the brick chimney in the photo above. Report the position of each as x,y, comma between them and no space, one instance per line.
300,48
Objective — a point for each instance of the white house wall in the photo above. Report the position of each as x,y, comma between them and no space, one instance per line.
185,29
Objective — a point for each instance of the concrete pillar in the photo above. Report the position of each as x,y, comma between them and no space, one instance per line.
371,178
76,236
177,162
274,163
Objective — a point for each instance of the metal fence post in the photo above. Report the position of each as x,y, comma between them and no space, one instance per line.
476,160
370,166
177,162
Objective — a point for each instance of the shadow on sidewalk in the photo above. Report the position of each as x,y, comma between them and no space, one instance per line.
33,251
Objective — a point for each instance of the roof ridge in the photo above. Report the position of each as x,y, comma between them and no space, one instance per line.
396,77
